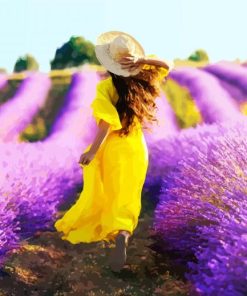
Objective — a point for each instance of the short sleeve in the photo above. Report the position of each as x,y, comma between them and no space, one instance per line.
102,106
163,72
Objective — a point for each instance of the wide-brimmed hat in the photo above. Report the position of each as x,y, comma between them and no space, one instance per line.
112,46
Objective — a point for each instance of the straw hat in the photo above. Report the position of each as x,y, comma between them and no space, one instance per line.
112,46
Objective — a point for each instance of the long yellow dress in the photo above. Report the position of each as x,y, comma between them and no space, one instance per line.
111,197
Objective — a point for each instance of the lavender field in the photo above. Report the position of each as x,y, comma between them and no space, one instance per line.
192,233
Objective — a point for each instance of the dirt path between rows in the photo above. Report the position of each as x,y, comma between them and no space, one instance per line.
45,265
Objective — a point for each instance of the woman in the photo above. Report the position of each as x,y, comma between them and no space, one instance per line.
115,164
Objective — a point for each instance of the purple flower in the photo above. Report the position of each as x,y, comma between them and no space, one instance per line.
18,111
167,124
40,177
231,73
214,103
9,238
202,212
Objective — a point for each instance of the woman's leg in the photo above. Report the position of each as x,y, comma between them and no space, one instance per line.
118,254
127,234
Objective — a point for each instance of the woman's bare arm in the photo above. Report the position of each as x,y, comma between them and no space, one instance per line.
87,157
131,63
103,129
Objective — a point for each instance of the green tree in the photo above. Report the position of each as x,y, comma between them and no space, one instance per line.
27,62
199,55
75,52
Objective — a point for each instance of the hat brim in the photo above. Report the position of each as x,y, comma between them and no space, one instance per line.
103,54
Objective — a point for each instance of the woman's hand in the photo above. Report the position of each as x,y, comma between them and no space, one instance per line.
103,129
86,158
130,62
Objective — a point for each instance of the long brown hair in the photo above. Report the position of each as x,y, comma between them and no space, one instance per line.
136,97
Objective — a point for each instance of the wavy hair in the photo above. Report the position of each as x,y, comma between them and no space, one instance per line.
136,98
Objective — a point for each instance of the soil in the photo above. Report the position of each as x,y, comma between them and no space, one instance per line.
45,265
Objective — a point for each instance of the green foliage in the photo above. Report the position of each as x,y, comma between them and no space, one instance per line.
183,105
34,131
27,62
75,52
199,55
42,123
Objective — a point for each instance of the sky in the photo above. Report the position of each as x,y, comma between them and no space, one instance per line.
168,28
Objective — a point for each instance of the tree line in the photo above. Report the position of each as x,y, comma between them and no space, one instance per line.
76,52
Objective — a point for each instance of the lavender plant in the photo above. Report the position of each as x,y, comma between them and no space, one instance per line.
167,124
18,111
75,122
214,103
202,214
9,238
231,73
222,268
39,177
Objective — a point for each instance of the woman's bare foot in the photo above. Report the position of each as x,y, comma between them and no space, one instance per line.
118,254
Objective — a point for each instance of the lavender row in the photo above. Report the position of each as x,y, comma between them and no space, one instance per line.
9,238
167,124
39,177
213,101
202,212
234,76
18,111
164,154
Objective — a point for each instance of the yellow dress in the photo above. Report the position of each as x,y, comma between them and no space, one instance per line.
111,197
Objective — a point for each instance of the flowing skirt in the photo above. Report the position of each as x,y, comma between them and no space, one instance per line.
111,197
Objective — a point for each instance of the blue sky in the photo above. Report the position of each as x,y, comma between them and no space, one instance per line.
168,28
